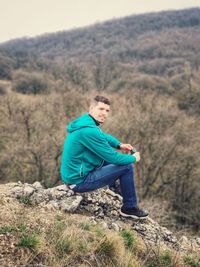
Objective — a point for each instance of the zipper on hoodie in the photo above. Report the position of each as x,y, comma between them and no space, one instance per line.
81,170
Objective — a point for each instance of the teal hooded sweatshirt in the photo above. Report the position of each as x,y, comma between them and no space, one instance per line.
87,147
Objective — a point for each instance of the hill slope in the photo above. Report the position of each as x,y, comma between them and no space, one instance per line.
157,51
105,37
32,235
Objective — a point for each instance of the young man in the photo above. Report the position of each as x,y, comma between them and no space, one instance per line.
87,148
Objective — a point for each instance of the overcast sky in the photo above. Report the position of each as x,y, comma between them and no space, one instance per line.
19,18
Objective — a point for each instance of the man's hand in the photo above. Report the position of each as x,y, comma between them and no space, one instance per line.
126,148
137,155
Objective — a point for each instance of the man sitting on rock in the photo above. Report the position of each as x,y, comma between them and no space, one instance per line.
87,152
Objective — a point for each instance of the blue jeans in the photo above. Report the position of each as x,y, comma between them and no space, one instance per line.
107,175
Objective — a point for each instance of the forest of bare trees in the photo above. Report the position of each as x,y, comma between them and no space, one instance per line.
33,131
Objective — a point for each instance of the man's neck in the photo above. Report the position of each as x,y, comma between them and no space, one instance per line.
96,122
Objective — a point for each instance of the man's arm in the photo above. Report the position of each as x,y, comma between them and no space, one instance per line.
95,141
113,141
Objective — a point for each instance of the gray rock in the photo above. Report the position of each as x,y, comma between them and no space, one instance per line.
62,188
173,239
70,193
17,191
37,185
183,239
115,227
104,225
59,194
39,197
113,194
114,213
139,228
54,194
198,240
167,232
93,220
96,208
70,203
52,205
24,190
28,190
184,242
100,214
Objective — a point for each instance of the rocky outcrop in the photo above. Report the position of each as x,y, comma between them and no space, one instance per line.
103,207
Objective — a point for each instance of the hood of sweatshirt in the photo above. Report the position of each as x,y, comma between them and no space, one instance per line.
83,121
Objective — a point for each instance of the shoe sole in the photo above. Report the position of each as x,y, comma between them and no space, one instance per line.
133,216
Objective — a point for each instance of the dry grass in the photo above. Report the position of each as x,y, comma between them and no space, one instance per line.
33,235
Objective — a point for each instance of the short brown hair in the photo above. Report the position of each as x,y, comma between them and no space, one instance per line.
102,99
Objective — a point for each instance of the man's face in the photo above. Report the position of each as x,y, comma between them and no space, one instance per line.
99,111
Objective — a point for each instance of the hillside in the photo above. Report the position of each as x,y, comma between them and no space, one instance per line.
114,37
159,51
52,227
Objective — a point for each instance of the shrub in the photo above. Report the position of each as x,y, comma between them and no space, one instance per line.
31,86
5,71
34,83
2,90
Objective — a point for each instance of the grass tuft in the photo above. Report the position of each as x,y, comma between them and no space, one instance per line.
86,226
99,232
63,246
26,200
28,241
111,250
162,260
128,239
6,229
166,259
21,227
192,262
106,247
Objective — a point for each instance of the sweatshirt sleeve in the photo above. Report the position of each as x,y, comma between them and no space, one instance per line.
95,140
114,142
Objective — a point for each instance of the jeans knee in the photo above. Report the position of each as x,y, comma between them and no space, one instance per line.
130,166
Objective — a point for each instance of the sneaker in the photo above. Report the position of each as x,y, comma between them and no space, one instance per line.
135,213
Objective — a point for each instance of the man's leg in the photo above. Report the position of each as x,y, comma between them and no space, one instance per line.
108,175
114,185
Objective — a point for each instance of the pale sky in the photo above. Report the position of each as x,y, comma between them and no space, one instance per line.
20,18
